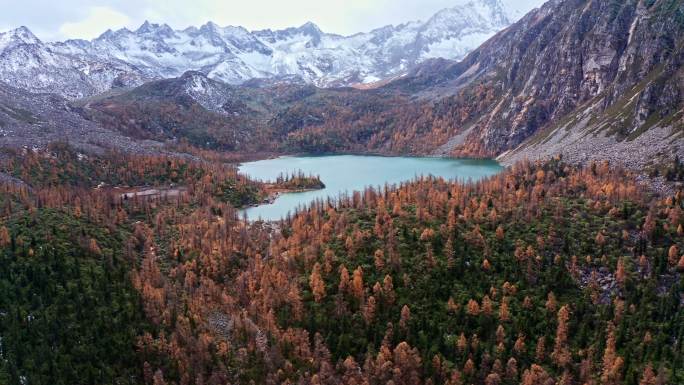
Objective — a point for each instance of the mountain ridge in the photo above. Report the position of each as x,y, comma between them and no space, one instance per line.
585,78
550,84
593,80
234,55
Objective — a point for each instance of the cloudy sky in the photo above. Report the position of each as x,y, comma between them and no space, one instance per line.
61,19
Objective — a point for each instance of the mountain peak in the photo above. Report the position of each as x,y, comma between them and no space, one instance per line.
156,30
211,25
311,29
107,34
18,36
490,12
111,34
497,12
213,32
310,26
211,28
148,27
24,35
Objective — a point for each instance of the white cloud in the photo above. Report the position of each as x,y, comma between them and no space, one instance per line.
97,21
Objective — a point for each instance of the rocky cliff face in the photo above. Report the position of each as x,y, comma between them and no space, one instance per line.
602,68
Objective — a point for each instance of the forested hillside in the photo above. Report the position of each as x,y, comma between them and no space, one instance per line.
547,273
125,257
69,313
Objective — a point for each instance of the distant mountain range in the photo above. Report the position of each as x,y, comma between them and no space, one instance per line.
124,58
591,79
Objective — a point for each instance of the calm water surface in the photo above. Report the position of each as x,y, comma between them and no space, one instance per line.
347,173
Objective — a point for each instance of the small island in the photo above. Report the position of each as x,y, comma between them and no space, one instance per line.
290,183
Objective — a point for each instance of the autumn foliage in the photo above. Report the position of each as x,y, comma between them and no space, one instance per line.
497,282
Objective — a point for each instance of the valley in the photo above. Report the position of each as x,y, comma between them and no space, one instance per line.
488,197
496,102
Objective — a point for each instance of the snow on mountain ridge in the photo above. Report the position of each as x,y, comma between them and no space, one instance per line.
234,55
21,35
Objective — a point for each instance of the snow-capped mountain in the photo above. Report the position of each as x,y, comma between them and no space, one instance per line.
28,63
78,68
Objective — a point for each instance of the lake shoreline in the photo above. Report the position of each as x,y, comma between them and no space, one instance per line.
344,174
274,192
274,195
272,156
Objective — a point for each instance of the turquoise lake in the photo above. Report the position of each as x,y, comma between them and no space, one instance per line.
347,173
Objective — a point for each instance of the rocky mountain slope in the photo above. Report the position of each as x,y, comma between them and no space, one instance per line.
193,107
78,68
592,79
259,115
585,77
35,120
28,63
